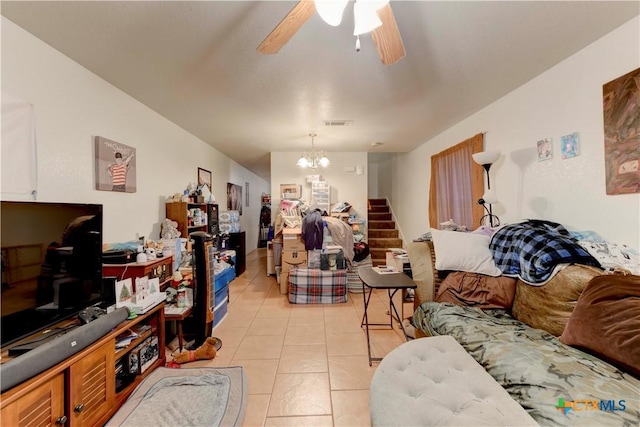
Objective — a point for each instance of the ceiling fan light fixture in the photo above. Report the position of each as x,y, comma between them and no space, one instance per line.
331,11
365,16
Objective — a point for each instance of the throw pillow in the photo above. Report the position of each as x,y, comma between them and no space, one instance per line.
477,290
606,321
549,307
459,251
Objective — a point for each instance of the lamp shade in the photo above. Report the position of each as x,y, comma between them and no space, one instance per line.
331,10
303,162
486,157
324,161
490,196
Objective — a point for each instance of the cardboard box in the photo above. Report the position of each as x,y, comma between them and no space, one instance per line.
284,283
292,259
292,239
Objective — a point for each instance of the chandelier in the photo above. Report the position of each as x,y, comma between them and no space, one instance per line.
314,158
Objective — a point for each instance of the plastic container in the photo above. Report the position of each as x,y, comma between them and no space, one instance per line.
277,252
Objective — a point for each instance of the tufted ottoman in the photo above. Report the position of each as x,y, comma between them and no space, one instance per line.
434,381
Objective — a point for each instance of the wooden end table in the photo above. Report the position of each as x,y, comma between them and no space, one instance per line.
178,318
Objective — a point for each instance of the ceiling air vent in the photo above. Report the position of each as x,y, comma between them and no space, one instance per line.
338,122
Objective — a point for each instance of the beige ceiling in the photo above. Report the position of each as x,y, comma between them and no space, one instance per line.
196,64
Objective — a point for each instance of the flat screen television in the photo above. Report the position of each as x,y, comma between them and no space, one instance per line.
51,264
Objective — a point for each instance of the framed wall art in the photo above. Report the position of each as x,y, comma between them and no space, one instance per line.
569,145
234,197
621,111
115,166
290,191
545,149
204,177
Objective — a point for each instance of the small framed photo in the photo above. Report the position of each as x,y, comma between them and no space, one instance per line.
569,145
291,191
545,149
204,177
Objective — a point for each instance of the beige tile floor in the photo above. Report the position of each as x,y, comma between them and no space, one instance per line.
306,364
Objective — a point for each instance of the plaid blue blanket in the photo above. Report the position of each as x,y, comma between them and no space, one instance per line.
531,250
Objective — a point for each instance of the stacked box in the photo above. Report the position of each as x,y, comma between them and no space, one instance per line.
291,259
292,239
293,254
229,222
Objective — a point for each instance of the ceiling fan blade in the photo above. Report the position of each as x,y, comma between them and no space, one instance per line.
387,38
289,25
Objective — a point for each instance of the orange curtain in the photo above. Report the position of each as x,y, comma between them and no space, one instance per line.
456,184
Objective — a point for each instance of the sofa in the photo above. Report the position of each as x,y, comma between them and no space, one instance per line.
566,349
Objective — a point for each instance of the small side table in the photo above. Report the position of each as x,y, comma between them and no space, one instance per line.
169,316
392,282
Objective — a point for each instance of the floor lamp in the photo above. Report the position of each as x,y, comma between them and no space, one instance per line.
486,159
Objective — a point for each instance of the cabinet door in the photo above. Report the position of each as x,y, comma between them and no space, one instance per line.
92,386
42,406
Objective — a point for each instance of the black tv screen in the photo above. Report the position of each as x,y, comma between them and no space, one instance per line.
51,264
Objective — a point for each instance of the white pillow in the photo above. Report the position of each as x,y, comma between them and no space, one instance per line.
460,251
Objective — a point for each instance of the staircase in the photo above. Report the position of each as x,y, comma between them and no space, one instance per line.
381,231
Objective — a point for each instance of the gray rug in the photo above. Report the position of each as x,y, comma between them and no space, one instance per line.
186,397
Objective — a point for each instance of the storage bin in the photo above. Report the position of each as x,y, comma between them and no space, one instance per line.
312,286
223,278
271,266
277,252
221,296
219,313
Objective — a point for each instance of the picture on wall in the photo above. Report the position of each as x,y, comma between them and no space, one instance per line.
204,177
545,149
569,145
234,197
246,194
621,110
115,166
291,191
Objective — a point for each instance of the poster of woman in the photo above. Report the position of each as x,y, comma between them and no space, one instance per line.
234,197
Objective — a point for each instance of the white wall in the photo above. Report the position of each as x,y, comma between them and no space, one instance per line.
380,168
72,105
345,186
567,98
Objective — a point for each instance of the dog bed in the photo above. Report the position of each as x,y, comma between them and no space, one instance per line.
186,397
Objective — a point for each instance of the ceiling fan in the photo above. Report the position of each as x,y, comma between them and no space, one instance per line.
385,34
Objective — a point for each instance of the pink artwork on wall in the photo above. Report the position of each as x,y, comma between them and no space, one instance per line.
621,108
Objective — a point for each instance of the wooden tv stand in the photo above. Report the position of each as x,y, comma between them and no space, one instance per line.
81,390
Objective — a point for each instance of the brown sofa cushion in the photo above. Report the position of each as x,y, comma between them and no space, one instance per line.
549,307
477,290
606,321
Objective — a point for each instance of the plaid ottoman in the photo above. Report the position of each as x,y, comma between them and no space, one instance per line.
315,286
